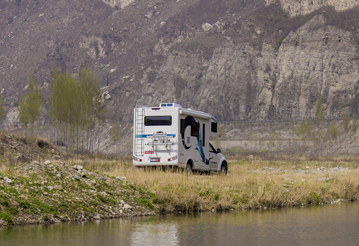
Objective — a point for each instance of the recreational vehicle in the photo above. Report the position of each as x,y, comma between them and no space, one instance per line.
170,135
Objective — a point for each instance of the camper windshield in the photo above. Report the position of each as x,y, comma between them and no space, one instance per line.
158,120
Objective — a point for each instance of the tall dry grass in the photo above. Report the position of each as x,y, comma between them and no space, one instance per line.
250,184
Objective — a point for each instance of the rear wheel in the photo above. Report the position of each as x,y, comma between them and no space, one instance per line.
224,169
188,168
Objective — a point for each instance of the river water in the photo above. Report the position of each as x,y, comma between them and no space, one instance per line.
336,224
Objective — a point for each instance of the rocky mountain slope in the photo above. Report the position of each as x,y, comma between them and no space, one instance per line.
236,59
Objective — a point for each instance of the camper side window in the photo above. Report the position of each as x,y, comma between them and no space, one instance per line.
195,129
183,125
158,120
214,127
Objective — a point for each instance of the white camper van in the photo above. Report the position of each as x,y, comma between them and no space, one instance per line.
170,135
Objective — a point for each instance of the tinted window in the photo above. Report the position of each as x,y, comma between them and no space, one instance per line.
158,120
195,129
183,124
204,135
214,127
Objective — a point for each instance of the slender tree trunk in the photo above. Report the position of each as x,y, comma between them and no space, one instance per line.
82,138
77,138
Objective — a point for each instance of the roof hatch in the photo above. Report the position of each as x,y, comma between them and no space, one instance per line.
170,105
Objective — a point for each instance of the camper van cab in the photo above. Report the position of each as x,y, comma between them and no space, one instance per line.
170,135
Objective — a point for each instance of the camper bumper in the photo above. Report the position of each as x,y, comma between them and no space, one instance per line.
155,161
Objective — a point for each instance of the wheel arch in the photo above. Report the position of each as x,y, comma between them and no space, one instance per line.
222,161
190,161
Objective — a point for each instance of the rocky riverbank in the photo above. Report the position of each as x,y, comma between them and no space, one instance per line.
40,184
53,191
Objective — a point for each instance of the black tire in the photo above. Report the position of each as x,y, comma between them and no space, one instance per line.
189,169
224,169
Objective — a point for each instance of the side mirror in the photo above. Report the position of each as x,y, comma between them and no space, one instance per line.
219,151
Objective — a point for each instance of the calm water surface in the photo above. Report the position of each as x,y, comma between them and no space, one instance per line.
320,225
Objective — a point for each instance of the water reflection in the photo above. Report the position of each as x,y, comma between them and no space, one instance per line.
320,225
162,233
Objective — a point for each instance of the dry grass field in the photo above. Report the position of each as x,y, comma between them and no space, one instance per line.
252,183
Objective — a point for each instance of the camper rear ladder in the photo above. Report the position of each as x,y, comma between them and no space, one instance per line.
139,129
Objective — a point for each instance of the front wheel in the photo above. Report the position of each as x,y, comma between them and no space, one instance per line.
224,169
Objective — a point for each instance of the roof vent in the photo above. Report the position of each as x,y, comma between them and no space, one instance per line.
170,105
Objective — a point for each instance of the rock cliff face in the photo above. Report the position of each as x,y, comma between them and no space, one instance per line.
236,59
119,3
302,7
281,77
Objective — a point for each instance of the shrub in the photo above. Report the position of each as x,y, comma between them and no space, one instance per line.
7,218
319,110
333,130
355,125
346,119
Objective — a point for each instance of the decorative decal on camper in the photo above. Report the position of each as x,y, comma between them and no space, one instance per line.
189,120
150,135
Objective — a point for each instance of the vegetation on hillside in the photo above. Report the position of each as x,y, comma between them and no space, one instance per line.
76,107
30,104
1,109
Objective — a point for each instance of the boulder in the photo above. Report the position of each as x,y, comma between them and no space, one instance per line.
123,179
126,206
82,173
96,217
106,96
58,187
258,30
149,15
78,167
207,27
7,180
75,177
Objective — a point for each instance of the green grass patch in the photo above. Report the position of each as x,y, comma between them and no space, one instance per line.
7,218
12,210
144,202
42,206
314,196
216,196
4,201
24,205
